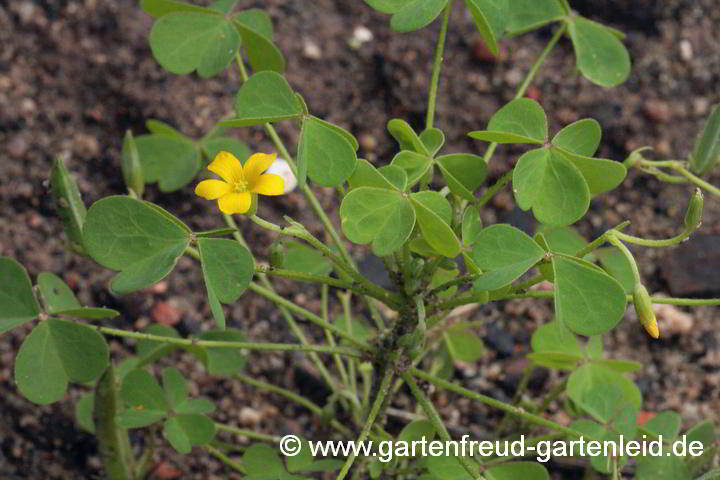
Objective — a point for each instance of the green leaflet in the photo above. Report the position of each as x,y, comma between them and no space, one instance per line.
380,216
587,300
17,302
186,41
504,253
601,57
141,240
56,352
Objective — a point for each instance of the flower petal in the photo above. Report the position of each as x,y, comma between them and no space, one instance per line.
235,203
256,165
227,166
269,184
212,189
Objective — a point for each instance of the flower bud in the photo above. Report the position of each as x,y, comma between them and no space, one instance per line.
693,216
643,307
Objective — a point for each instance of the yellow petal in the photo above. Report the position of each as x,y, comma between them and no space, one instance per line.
235,203
227,166
256,165
269,184
212,189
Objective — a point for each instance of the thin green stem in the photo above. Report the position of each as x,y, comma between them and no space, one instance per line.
298,332
437,422
600,240
282,347
298,231
666,242
247,433
437,66
360,289
374,411
494,188
516,411
225,459
299,399
628,255
462,280
330,338
306,314
697,180
347,312
230,221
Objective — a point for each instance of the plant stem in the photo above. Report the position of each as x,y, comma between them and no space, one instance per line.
666,242
291,347
247,433
494,188
224,458
360,289
307,314
437,66
374,411
300,400
438,424
697,180
628,255
230,221
298,231
516,411
330,339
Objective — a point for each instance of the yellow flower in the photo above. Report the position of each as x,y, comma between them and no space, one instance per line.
234,191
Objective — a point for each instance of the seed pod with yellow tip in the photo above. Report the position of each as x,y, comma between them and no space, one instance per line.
693,216
643,306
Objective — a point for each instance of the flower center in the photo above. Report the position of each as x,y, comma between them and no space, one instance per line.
240,186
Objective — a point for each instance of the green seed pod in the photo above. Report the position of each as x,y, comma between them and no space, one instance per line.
69,204
693,216
131,166
277,254
643,307
706,152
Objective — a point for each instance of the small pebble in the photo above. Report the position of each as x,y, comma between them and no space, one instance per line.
658,111
686,50
360,36
165,313
250,416
311,50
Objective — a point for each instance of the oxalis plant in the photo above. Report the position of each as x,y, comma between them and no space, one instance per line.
419,211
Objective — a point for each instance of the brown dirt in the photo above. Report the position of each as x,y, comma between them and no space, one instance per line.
74,75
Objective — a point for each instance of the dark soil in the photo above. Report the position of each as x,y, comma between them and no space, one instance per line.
74,75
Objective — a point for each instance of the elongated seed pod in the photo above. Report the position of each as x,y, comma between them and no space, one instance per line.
643,307
69,204
131,166
706,152
693,216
